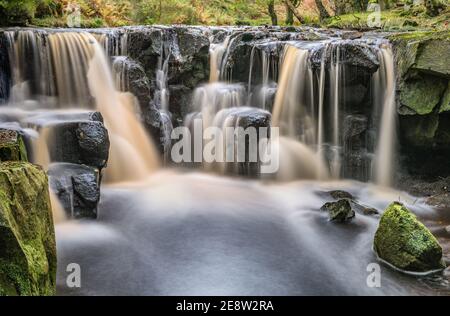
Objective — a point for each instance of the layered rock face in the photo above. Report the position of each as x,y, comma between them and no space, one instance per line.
423,98
27,238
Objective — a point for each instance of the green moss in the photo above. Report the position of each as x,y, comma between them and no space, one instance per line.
423,94
27,240
445,103
405,242
12,147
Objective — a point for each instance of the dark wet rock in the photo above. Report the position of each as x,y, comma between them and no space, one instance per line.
339,194
192,66
5,73
27,234
77,188
12,146
94,142
406,243
355,93
179,102
239,58
79,138
357,161
340,211
363,209
355,128
144,45
133,79
352,53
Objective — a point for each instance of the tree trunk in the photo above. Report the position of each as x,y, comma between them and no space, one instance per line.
323,13
272,13
289,16
294,10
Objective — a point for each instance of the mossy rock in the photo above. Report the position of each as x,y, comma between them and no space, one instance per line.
12,147
420,130
445,103
406,243
423,94
339,211
27,237
433,57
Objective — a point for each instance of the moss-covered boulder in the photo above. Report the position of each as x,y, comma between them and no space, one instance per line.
406,243
27,238
12,147
445,103
433,56
423,94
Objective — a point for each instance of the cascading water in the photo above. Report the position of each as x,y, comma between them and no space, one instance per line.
291,113
79,75
218,235
385,83
216,53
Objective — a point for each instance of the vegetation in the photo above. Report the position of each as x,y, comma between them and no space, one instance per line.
401,14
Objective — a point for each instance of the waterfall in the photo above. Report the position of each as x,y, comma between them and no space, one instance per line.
385,92
290,111
216,57
162,92
335,83
292,114
80,76
211,98
260,93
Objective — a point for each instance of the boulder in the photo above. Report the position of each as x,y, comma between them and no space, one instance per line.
423,94
12,147
426,60
79,138
133,79
27,238
340,211
191,66
445,103
352,53
404,242
77,188
339,194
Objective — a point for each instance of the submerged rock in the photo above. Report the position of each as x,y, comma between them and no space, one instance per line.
340,211
27,238
406,243
77,188
339,194
12,147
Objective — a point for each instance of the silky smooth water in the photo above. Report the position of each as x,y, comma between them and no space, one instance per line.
197,234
